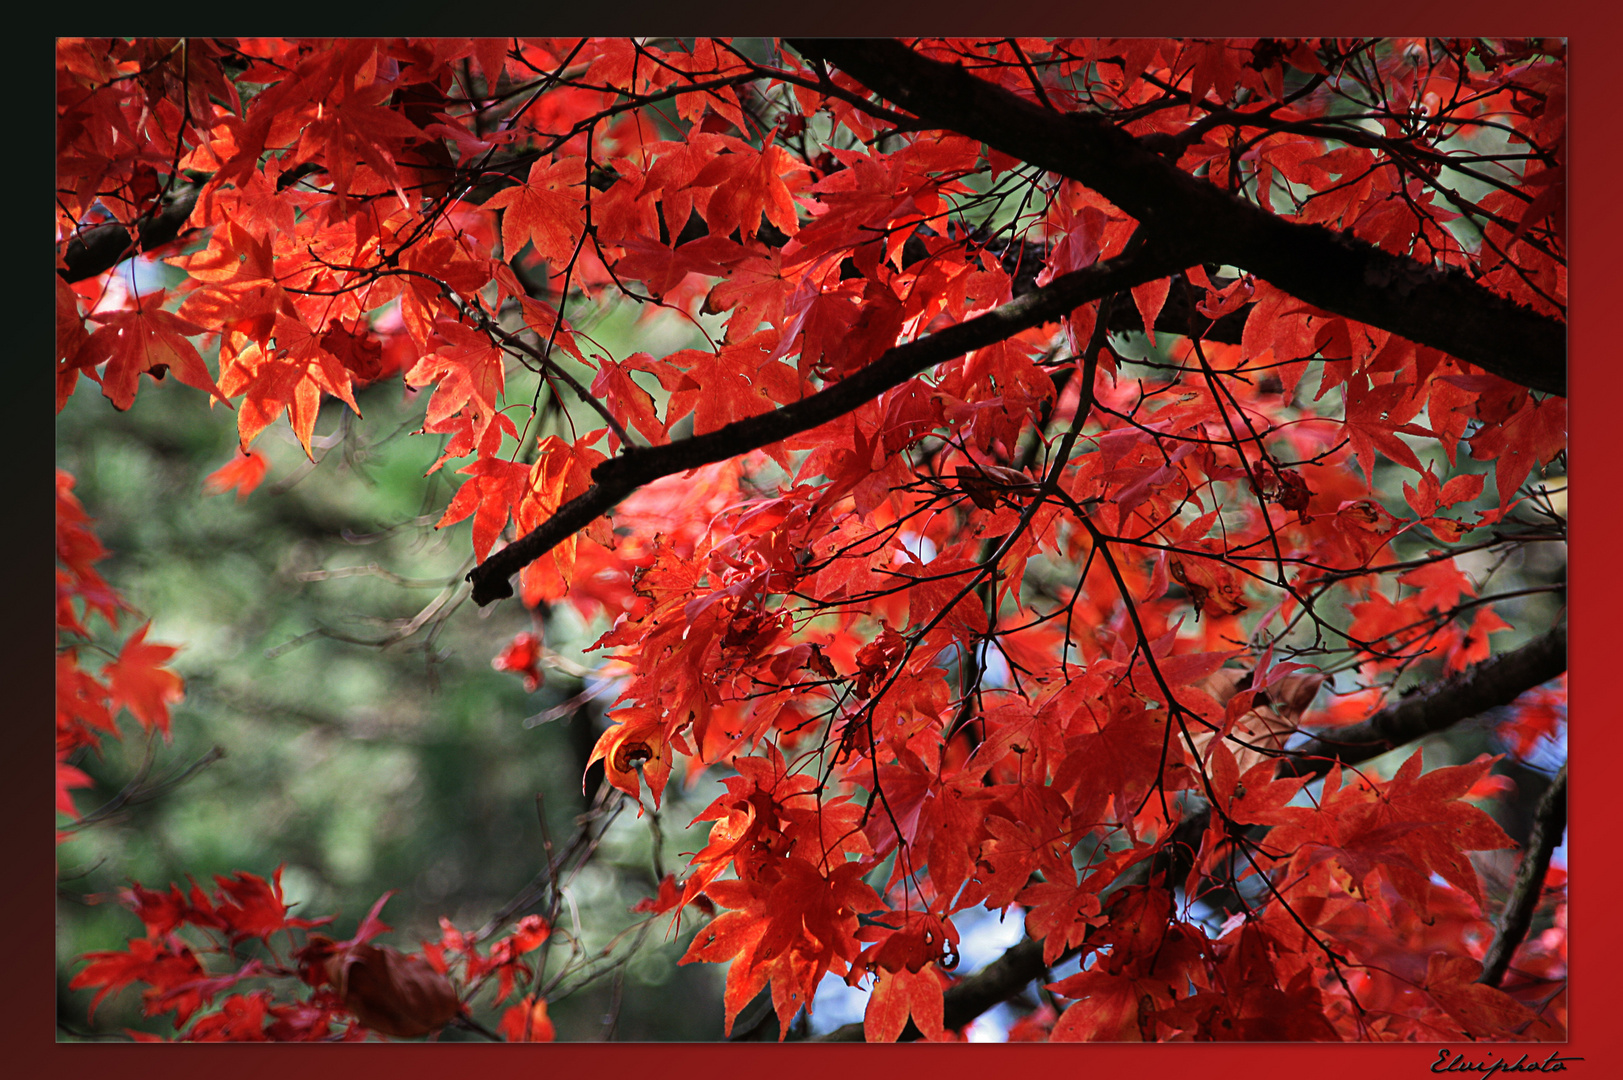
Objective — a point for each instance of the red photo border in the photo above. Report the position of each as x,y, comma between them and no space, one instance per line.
1596,78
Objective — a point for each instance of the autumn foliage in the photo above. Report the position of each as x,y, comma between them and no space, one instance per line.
1091,456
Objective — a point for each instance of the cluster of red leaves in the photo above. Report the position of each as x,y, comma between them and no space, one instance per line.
190,964
175,979
137,679
320,990
1361,872
376,208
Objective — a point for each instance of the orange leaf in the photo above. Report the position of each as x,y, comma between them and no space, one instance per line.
492,493
527,1021
467,373
637,742
244,473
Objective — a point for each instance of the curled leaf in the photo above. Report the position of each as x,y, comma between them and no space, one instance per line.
390,992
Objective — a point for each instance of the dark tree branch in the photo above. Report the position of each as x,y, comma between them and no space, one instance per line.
1441,308
104,246
616,478
1549,826
1498,680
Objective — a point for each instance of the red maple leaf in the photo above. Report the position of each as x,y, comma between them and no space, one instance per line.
521,657
527,1021
545,210
492,494
244,472
1533,435
168,967
138,681
749,183
467,374
899,994
141,339
1483,1012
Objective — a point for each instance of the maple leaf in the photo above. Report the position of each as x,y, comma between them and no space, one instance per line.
467,374
636,743
527,1021
1259,799
1059,913
70,337
143,339
1409,828
749,183
292,377
520,657
899,994
492,494
628,402
81,704
1115,760
544,210
67,778
1473,646
1374,417
168,968
907,941
754,290
1149,298
731,934
738,381
138,681
1483,1012
1107,1008
1537,714
244,473
1533,435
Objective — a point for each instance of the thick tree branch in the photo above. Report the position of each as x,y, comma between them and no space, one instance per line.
1498,680
104,246
1441,308
1549,827
618,477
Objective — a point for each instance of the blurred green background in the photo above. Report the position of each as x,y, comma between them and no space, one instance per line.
361,769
